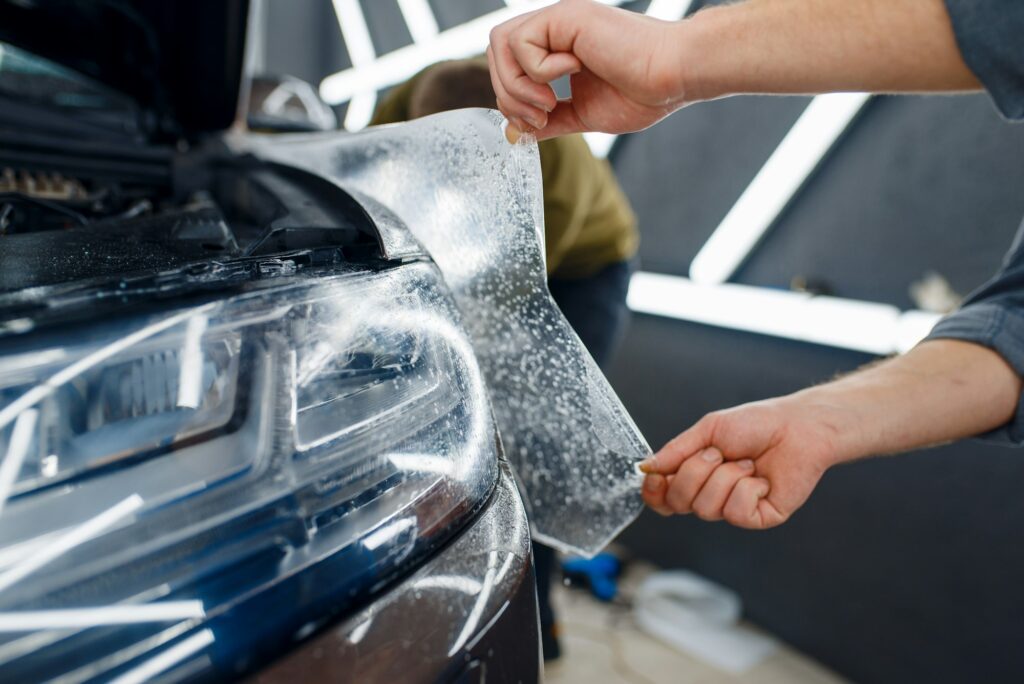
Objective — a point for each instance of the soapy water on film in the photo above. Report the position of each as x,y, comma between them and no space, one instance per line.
475,203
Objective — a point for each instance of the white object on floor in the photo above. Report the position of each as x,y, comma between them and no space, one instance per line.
701,618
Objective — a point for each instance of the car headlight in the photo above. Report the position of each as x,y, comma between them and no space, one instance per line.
268,457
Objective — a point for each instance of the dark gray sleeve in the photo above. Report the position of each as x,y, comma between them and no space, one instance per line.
993,316
990,34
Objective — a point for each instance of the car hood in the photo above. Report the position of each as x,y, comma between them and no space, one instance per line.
180,61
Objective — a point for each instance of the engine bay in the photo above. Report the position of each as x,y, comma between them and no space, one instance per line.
35,201
88,211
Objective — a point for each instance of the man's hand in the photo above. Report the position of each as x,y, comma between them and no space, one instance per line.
756,464
623,70
752,466
629,71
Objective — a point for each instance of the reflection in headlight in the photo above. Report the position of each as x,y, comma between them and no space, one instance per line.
325,422
78,618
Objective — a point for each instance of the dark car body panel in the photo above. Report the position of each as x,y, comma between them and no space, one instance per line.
220,223
436,625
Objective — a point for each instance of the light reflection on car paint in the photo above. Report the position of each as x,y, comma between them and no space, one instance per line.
387,642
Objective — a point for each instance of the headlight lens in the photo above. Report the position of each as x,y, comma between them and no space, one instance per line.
272,456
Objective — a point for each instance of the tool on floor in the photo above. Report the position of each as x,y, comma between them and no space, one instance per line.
599,574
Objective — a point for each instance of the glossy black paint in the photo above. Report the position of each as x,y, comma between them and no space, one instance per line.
417,631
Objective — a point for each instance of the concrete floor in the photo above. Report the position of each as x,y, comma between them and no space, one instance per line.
602,643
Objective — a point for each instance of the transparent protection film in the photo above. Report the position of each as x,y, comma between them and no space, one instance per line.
475,204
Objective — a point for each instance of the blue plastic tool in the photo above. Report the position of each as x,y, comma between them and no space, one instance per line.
600,574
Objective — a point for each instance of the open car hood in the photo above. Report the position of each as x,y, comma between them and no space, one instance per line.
181,61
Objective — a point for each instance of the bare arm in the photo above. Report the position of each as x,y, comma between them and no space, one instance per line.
755,464
816,46
630,71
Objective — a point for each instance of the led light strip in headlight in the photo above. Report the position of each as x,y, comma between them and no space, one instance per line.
284,451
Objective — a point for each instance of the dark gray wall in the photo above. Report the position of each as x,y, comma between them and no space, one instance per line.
918,184
303,39
904,569
899,569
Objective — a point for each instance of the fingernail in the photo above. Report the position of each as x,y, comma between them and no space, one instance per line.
652,483
541,105
512,134
746,464
648,464
711,455
535,122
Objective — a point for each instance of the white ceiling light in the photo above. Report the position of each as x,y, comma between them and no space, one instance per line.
799,153
419,17
831,321
360,50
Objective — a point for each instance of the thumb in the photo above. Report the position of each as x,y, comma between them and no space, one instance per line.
562,120
686,444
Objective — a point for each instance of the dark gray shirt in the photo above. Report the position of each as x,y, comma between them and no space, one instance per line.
990,34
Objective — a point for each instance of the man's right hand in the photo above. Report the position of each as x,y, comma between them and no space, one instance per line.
625,73
756,464
752,465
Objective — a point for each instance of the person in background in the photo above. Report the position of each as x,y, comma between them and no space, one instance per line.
590,236
756,464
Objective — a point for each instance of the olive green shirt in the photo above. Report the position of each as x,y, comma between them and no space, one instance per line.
588,222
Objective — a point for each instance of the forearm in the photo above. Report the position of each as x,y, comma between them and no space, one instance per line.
816,46
940,391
